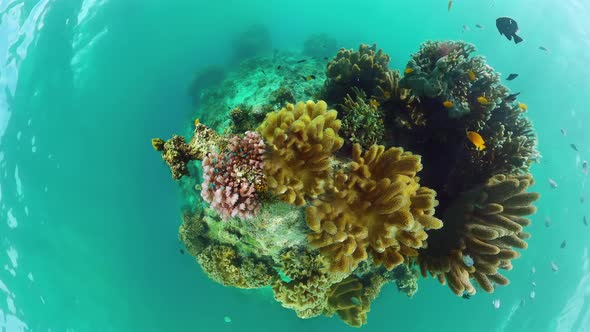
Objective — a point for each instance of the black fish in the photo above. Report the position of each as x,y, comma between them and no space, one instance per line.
182,251
301,61
325,58
511,77
563,244
508,27
278,67
585,221
542,48
574,147
512,97
263,71
466,296
479,26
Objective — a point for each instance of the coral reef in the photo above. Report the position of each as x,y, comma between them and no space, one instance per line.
301,140
233,178
320,45
366,69
334,206
374,206
483,227
362,122
226,266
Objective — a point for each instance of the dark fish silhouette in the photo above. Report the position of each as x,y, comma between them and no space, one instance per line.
585,221
542,48
511,77
574,147
182,251
278,67
466,296
563,244
479,26
301,61
512,97
508,28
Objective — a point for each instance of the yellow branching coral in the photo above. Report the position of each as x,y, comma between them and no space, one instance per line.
301,140
491,221
306,296
376,206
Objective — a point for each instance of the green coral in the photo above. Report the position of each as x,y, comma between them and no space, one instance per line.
362,122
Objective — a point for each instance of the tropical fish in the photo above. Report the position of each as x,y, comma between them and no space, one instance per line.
585,221
408,70
532,295
374,103
585,167
511,77
301,61
563,132
534,284
278,67
552,183
182,251
483,100
447,104
479,26
466,296
468,261
512,97
542,48
471,75
227,319
582,199
476,139
563,244
574,147
496,303
197,121
450,5
522,106
554,267
508,28
308,77
547,222
533,270
465,28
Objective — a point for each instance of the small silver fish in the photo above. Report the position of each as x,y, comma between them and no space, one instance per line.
496,303
552,183
468,261
574,147
563,244
479,26
532,295
554,267
585,167
585,221
547,222
543,48
534,284
563,132
466,28
533,270
582,199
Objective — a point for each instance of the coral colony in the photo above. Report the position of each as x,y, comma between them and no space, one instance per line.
378,177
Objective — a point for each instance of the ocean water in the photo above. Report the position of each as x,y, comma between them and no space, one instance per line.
89,215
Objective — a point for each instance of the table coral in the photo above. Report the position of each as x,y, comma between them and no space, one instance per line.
301,141
374,206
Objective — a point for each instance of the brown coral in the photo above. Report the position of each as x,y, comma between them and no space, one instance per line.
366,69
226,266
489,223
374,206
306,296
301,140
348,299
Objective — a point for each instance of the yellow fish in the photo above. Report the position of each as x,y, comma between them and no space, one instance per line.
482,100
477,140
408,70
522,106
447,104
374,103
197,121
471,75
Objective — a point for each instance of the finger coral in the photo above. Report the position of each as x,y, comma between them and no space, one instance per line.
233,178
375,206
301,141
488,222
365,69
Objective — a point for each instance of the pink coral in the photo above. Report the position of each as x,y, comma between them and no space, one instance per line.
232,176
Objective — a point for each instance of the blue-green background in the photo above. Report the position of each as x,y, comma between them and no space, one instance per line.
89,214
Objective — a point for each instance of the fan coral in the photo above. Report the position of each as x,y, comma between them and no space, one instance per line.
375,206
301,140
362,123
366,69
233,178
488,222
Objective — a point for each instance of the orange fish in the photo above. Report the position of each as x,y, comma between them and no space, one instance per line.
522,106
483,100
408,70
450,4
476,140
447,104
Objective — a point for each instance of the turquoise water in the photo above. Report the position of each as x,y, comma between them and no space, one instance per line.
89,216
